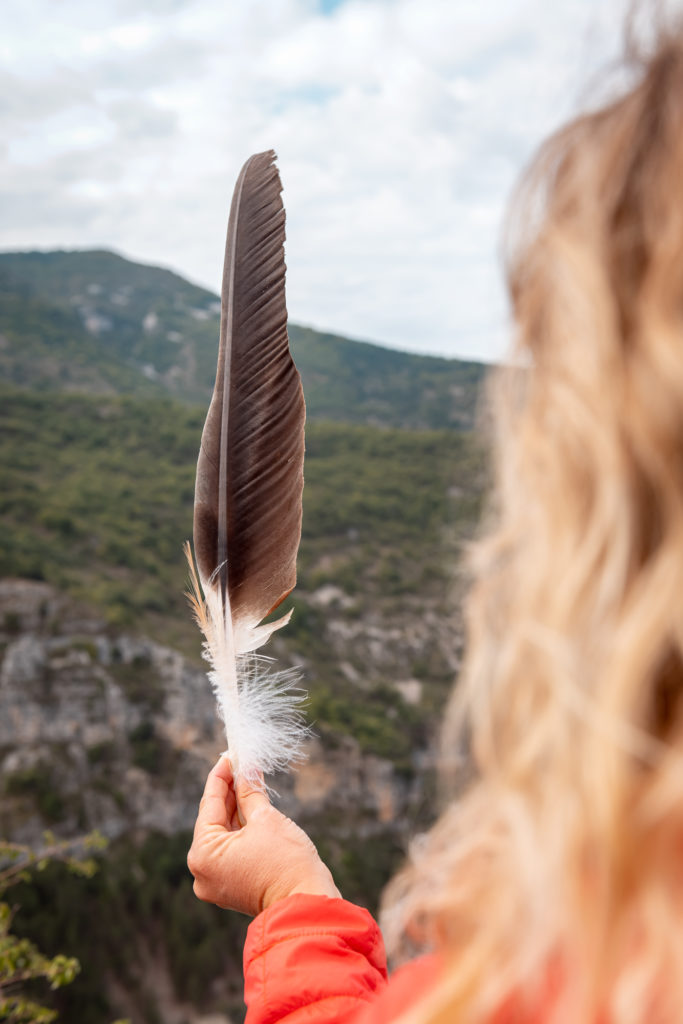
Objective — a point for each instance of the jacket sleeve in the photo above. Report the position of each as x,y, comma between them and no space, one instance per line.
312,958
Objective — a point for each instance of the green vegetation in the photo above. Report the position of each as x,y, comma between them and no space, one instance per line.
137,916
139,318
97,499
38,783
356,382
44,345
377,503
22,964
379,719
93,320
152,752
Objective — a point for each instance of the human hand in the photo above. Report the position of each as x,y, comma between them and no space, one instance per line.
248,867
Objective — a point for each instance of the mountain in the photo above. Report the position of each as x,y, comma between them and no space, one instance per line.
95,321
107,719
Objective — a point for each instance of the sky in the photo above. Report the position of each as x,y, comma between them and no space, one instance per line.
400,127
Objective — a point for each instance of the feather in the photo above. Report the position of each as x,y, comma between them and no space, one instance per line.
247,510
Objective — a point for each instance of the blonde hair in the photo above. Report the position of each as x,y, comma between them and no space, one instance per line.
556,881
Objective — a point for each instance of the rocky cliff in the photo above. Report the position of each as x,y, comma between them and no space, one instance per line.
108,730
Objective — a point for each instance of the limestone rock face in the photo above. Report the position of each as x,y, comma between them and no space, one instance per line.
116,732
96,731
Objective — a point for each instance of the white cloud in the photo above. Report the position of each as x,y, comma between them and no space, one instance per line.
400,126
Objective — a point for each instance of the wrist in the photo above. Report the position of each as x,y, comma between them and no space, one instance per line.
319,887
319,883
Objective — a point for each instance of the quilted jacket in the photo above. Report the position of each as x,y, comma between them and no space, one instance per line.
322,960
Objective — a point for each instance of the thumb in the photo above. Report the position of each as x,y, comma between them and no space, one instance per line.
250,796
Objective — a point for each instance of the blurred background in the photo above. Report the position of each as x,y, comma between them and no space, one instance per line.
401,126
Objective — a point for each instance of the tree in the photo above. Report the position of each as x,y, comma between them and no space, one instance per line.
20,959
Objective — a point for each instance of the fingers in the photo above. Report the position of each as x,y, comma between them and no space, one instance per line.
250,797
223,768
217,806
221,807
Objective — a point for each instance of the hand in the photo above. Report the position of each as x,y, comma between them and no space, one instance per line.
249,867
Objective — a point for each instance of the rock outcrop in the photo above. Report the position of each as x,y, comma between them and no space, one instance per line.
110,731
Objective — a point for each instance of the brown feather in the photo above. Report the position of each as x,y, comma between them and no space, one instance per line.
247,515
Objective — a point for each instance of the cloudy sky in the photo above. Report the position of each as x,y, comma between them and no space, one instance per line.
400,127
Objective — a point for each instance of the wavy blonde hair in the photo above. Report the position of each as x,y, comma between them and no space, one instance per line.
556,881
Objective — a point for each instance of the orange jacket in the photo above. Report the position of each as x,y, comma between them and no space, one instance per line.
322,960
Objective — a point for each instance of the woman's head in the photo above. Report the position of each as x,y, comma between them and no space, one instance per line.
563,863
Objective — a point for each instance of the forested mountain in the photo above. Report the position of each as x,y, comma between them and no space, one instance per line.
95,320
106,717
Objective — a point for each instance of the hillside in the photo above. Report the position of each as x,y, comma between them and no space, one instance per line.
97,321
107,720
101,726
97,501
